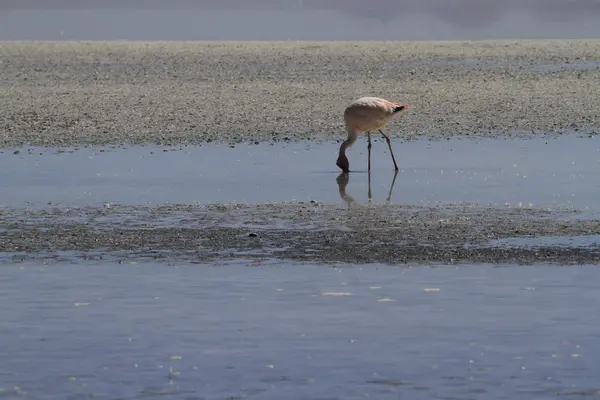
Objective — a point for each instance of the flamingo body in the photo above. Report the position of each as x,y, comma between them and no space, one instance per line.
365,115
369,114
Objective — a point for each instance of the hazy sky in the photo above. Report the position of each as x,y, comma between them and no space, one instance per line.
298,19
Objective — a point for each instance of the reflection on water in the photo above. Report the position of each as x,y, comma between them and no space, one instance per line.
555,173
291,19
342,182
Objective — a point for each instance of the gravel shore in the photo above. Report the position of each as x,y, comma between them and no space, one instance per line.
75,93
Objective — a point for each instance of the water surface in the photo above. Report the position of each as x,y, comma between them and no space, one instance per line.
543,172
297,331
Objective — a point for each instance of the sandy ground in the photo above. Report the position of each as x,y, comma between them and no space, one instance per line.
295,231
67,93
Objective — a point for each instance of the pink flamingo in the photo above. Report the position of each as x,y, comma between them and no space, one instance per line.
365,115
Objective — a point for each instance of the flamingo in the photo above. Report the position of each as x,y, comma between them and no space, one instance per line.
365,115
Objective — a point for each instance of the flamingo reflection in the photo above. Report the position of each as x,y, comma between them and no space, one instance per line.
342,182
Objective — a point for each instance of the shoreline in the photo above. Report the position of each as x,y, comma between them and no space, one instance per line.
61,94
309,232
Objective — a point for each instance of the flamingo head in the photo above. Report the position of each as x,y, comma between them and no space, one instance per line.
401,108
343,163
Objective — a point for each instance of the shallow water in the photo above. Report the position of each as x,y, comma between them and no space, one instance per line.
115,329
546,241
273,331
553,173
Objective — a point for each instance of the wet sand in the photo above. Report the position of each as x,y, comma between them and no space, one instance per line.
295,231
73,93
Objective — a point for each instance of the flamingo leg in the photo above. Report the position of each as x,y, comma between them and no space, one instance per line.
392,186
369,149
369,195
387,139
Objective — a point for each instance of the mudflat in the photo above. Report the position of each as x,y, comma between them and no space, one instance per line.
296,231
74,93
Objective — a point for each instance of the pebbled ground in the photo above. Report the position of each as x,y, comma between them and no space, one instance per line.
77,93
295,231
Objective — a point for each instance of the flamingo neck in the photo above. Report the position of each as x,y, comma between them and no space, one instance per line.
342,160
347,143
